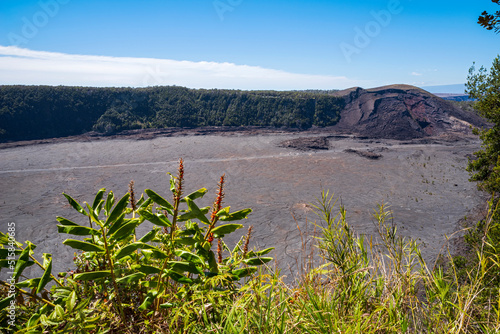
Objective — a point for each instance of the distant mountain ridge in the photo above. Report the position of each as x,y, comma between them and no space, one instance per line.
454,97
456,89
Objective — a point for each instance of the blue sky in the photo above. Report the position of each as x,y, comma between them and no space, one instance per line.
243,44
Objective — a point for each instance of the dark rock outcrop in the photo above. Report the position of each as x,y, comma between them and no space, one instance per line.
307,143
401,112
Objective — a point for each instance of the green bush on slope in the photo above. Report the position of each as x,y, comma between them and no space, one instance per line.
37,112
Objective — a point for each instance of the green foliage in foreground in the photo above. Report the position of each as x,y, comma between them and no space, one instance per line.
37,112
170,278
171,281
485,87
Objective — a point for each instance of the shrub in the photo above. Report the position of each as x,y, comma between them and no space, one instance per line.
170,279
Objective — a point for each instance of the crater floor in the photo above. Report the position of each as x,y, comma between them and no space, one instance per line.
425,185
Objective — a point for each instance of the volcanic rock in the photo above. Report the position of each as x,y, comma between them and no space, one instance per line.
402,112
307,143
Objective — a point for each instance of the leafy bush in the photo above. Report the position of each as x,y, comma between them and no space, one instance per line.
168,279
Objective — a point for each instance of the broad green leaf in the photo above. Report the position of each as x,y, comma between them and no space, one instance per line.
192,227
255,261
22,263
116,225
4,239
99,208
140,201
144,204
148,301
93,275
34,319
179,278
190,257
47,259
77,230
75,205
29,283
189,241
31,246
212,263
58,313
126,229
46,275
166,305
158,199
66,222
82,245
62,292
240,273
118,210
149,236
151,217
223,211
238,215
110,200
129,279
129,249
172,183
194,212
92,214
98,198
6,302
194,195
155,253
71,301
181,267
149,284
221,231
148,270
5,252
92,321
260,253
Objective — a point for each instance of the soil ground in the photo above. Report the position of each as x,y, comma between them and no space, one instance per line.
424,182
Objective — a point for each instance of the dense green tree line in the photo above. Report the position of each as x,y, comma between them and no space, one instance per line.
35,112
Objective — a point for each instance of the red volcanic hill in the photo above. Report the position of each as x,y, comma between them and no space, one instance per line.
401,112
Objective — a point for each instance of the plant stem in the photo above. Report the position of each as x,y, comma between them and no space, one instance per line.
41,266
113,277
28,294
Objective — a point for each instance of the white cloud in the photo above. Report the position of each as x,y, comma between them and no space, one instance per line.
28,67
416,74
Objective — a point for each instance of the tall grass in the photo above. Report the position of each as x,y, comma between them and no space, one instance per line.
371,285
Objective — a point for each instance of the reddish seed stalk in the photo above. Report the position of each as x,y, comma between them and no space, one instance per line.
247,240
216,208
180,179
132,195
219,250
218,201
177,197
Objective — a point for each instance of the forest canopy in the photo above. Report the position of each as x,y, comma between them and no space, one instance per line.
37,112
